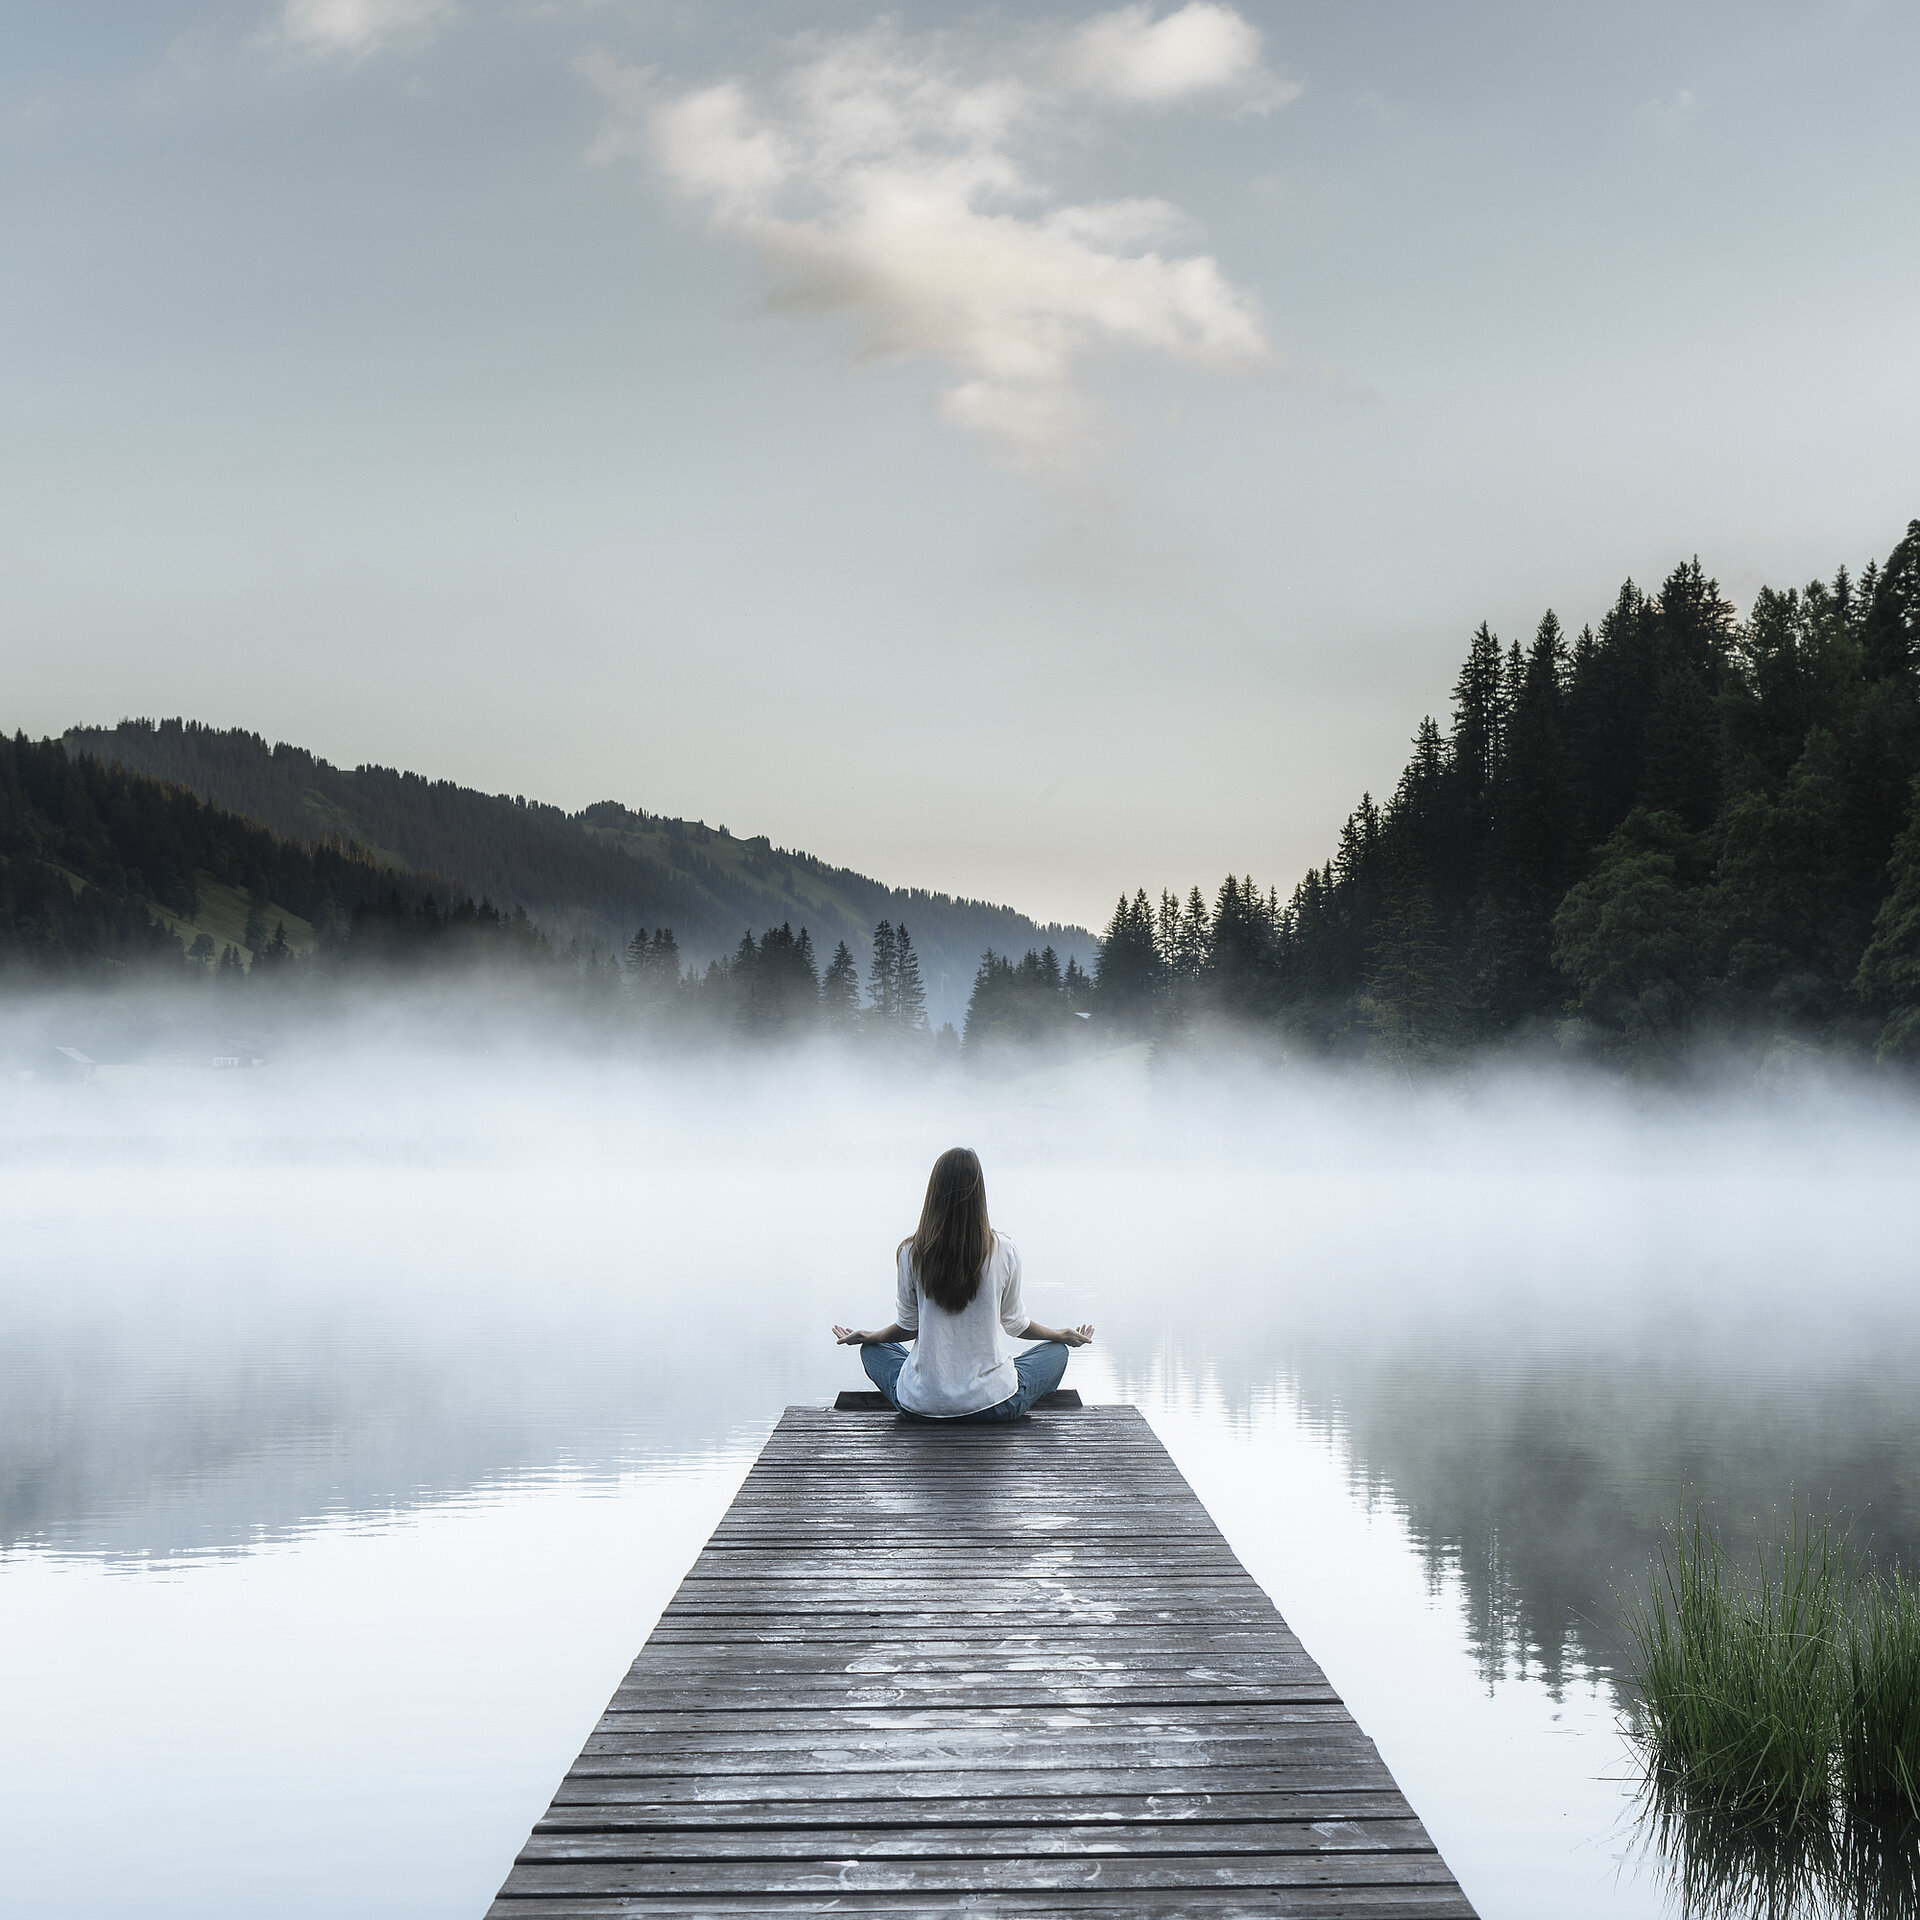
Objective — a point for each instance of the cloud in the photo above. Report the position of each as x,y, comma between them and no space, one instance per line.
352,28
886,180
1203,48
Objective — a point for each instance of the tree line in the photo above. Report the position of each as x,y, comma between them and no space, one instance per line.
1674,826
774,988
594,873
770,989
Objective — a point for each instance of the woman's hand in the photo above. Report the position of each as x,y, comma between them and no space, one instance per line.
1067,1336
880,1337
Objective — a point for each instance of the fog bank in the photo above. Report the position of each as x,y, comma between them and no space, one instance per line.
235,1303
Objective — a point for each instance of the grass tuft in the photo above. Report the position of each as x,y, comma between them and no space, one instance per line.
1779,1716
1879,1706
1738,1674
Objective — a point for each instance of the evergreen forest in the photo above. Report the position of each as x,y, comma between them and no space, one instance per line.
1675,827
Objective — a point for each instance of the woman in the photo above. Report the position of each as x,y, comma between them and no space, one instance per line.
957,1297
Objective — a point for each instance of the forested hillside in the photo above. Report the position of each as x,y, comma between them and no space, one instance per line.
101,868
109,877
1673,825
594,875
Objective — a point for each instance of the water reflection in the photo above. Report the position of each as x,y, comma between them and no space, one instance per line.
1544,1478
133,1442
1715,1866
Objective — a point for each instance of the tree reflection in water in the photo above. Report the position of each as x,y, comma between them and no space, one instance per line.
1720,1864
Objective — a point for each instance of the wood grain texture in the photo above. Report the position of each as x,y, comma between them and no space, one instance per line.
985,1670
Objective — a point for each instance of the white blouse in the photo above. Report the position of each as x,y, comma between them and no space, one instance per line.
961,1362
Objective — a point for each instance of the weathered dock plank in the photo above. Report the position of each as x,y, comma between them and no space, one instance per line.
975,1670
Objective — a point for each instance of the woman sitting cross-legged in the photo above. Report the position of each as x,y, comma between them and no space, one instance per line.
957,1297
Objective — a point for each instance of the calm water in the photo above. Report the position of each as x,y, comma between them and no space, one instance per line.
357,1418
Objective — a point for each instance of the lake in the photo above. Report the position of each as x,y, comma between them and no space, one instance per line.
358,1413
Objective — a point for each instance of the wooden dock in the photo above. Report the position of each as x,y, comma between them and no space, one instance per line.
974,1669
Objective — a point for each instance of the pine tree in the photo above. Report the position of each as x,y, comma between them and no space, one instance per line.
1166,936
840,991
1509,971
1242,963
663,961
732,995
1611,693
909,996
1126,974
1890,624
1076,987
1478,727
1193,939
1512,679
777,988
1356,866
883,977
1696,626
988,1006
1416,818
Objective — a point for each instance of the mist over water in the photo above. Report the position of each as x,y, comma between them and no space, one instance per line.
358,1412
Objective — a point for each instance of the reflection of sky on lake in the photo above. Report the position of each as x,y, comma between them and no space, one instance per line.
355,1420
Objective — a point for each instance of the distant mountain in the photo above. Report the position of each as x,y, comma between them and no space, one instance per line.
599,874
102,868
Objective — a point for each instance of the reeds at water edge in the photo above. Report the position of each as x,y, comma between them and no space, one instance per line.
1772,1690
1779,1719
1879,1706
1738,1675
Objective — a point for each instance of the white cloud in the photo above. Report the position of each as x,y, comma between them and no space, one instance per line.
1203,48
351,28
881,179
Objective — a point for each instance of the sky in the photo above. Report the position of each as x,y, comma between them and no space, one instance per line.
1026,452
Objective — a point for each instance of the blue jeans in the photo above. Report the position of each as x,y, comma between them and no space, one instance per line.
1039,1368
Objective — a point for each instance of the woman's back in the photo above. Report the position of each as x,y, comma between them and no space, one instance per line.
961,1362
957,1299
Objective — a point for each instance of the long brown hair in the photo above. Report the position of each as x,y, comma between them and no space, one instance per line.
954,1237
